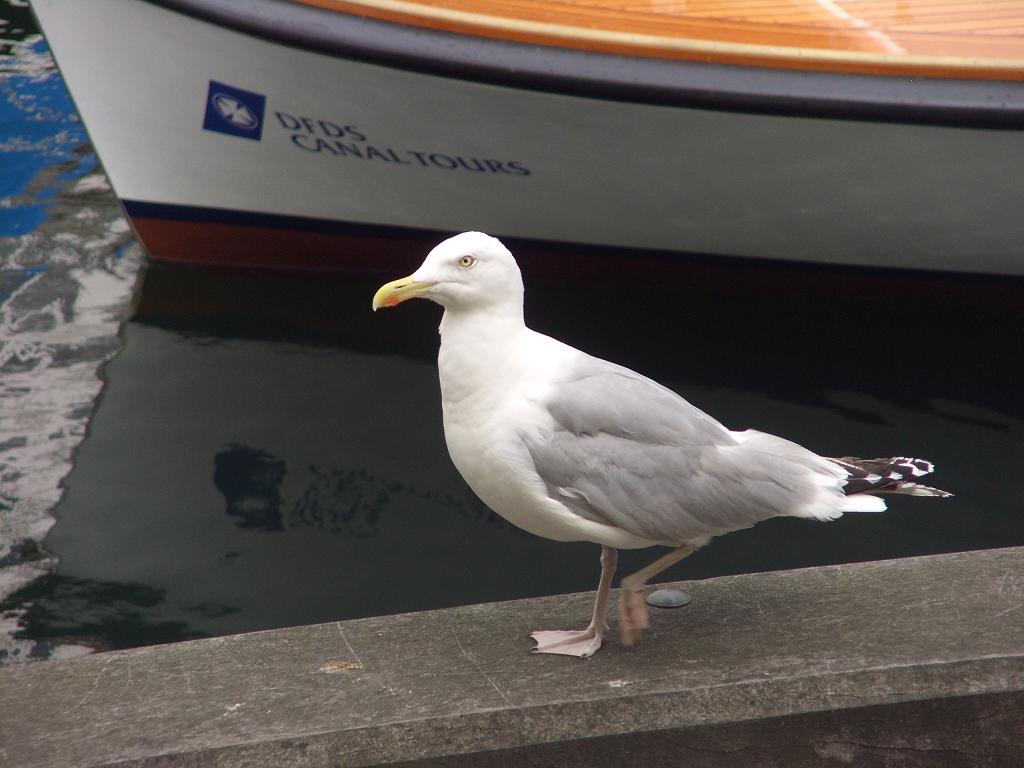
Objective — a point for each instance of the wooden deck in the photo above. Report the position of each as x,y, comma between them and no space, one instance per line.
973,39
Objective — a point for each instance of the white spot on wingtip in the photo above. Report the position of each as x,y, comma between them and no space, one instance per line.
917,467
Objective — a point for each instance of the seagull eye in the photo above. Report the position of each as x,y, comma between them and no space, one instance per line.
466,262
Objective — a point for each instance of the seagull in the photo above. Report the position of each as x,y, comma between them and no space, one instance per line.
574,448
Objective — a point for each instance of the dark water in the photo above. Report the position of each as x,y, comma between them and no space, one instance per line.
266,451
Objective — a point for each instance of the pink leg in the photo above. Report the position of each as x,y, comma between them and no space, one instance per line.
632,608
585,643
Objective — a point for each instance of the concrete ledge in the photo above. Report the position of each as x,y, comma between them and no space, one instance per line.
904,662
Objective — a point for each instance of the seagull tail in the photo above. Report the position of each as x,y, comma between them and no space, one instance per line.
894,475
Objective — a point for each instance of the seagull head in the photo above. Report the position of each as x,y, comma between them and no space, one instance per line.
464,272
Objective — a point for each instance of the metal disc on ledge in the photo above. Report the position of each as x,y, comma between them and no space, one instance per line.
668,598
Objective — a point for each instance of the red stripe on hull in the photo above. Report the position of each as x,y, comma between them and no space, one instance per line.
387,249
236,245
396,250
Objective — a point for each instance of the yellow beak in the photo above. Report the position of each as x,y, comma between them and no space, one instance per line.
397,291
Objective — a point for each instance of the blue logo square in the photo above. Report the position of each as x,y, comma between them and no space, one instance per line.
234,111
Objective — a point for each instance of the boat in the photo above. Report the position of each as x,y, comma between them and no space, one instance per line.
338,134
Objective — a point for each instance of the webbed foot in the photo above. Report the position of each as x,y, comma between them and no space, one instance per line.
582,644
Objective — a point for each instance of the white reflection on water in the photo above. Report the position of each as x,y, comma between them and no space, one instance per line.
58,328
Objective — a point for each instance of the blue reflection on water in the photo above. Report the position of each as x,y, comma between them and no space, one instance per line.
39,128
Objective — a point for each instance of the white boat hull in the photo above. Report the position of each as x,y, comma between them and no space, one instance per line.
229,148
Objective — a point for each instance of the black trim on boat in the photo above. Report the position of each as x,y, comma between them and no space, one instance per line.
938,101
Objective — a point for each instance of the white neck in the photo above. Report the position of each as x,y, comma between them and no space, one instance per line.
478,343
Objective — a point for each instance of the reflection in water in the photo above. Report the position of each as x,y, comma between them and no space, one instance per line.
250,480
104,615
347,502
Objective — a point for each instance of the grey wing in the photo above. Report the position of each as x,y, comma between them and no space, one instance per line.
628,452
